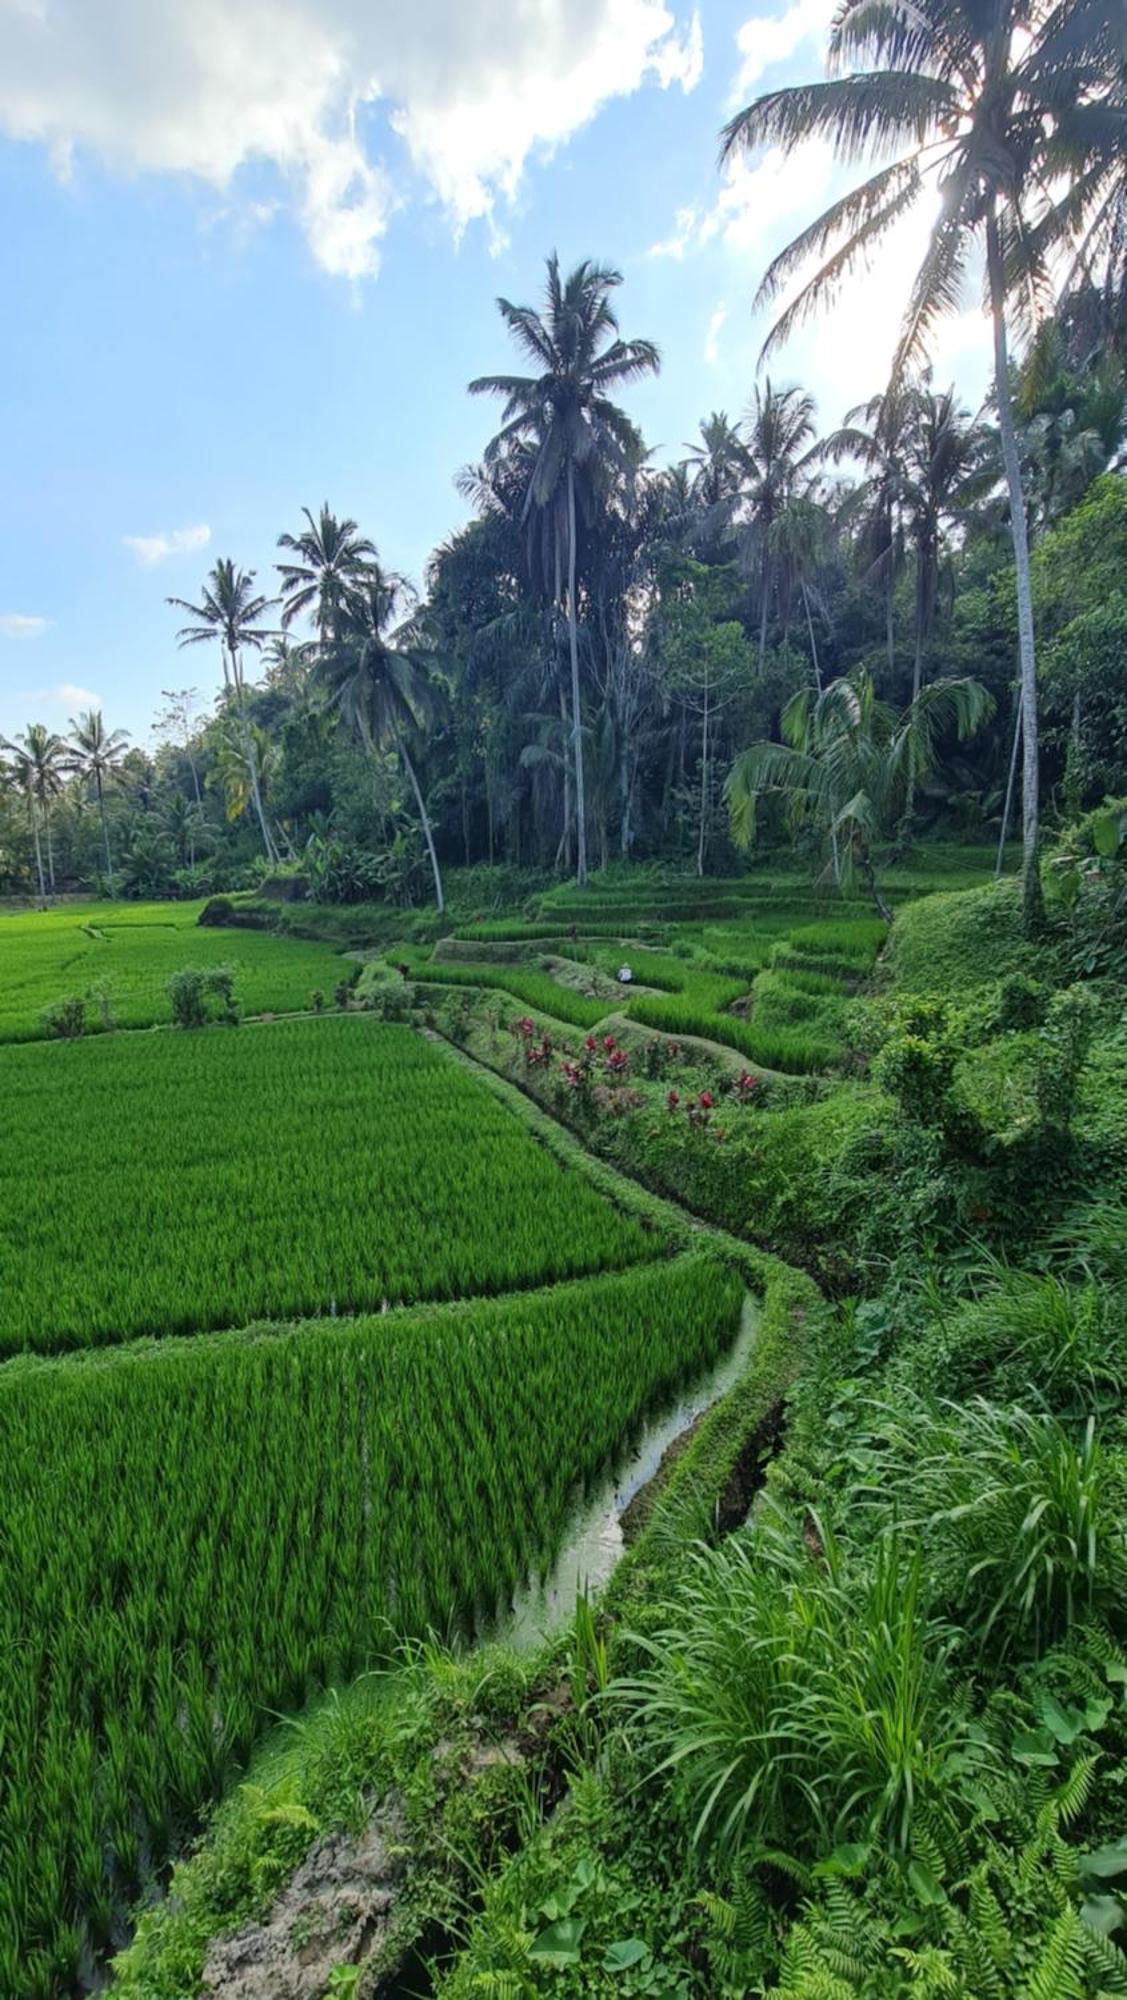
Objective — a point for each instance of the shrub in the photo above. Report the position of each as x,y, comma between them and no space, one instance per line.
1062,1050
1022,1002
65,1021
200,994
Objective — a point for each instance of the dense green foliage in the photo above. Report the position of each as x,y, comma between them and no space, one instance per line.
199,1530
379,1172
118,958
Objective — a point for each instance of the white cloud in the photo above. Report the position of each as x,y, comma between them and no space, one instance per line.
686,227
66,694
152,549
768,39
712,335
203,87
18,625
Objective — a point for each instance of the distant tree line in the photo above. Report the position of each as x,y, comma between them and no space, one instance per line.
616,661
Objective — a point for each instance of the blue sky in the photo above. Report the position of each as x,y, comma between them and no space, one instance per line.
252,252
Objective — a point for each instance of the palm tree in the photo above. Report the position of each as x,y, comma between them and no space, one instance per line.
718,465
97,753
377,678
332,561
229,613
576,433
781,423
849,760
45,756
875,434
970,96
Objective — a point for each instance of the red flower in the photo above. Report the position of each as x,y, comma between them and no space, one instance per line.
673,1100
591,1044
706,1100
525,1026
608,1043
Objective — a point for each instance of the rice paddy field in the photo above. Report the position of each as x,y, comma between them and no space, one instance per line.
198,1532
306,1342
121,955
773,985
172,1182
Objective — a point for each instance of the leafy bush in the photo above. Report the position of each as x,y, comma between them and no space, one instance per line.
65,1021
199,994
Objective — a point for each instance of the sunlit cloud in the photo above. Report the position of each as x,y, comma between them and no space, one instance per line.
153,549
332,94
21,625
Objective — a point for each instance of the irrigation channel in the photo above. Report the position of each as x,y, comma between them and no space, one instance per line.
593,1541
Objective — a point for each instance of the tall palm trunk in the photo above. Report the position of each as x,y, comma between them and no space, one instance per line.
1031,879
251,760
765,596
703,785
424,816
34,818
105,830
50,846
576,711
834,850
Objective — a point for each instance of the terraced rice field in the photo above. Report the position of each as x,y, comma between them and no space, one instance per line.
195,1532
169,1182
123,954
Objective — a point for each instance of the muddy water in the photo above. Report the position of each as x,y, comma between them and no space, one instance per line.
593,1541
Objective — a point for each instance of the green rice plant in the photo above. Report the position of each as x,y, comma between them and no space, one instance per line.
857,940
119,958
293,1168
199,1533
525,984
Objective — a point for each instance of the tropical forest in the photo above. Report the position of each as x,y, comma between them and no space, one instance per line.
563,1234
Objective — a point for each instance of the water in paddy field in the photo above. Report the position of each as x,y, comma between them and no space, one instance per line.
593,1542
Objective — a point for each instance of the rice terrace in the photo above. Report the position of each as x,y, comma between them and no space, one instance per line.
563,1157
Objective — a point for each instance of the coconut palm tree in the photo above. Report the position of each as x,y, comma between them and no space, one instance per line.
377,678
780,434
22,776
848,760
45,756
875,435
970,97
718,465
577,435
96,753
230,614
331,561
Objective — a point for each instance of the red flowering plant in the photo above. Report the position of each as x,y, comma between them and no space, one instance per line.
746,1086
617,1062
673,1099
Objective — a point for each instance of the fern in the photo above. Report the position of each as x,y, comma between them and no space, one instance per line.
1106,1960
1059,1973
975,1957
989,1919
1073,1795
